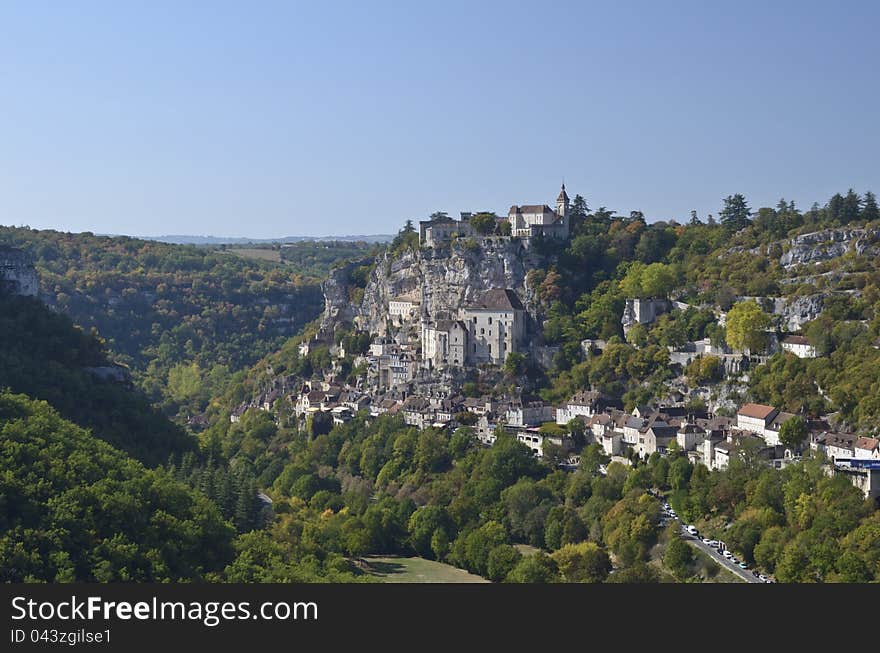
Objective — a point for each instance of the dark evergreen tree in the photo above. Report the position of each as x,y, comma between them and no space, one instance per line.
852,207
869,208
835,207
735,214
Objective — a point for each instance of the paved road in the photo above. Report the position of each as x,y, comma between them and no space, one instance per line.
745,574
712,552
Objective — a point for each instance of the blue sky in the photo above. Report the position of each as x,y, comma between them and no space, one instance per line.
282,118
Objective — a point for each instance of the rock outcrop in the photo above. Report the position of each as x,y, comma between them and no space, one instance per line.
795,311
17,272
450,276
829,244
339,309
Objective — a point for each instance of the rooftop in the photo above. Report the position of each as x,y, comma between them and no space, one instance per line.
503,299
758,411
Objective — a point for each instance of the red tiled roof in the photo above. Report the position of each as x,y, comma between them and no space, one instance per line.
758,411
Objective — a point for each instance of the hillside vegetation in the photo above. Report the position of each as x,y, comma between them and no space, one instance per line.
184,318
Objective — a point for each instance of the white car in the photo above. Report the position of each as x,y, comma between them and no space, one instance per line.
762,578
727,554
707,541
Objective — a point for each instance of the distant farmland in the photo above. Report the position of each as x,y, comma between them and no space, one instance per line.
260,253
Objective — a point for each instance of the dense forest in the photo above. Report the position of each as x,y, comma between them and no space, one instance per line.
44,356
83,493
384,487
184,318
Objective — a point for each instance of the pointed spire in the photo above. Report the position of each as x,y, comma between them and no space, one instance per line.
563,196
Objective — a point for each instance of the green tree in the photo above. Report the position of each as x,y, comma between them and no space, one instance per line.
793,432
746,324
502,559
677,556
535,568
584,562
484,223
870,211
423,525
658,279
515,364
735,214
852,207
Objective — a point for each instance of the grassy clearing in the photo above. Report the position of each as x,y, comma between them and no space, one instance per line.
526,549
259,253
394,569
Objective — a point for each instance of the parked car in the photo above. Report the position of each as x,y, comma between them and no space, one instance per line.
707,541
727,554
763,578
743,565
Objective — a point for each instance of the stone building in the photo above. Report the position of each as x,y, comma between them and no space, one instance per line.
486,331
17,273
642,311
439,231
526,221
444,343
539,219
496,326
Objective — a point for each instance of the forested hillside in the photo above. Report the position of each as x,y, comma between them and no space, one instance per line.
79,499
710,265
384,487
44,356
184,318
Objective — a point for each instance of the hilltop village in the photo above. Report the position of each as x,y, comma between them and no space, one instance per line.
454,321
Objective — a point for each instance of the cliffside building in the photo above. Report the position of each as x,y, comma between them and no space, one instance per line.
526,221
496,324
539,219
486,331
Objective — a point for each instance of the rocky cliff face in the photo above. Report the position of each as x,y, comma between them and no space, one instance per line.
452,276
17,273
793,312
830,243
338,306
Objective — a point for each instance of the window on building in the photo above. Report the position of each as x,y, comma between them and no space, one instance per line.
482,332
503,346
490,320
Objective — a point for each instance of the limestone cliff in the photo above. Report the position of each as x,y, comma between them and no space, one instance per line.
829,244
17,273
795,311
451,276
340,306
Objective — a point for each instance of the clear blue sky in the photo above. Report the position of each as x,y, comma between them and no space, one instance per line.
279,118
